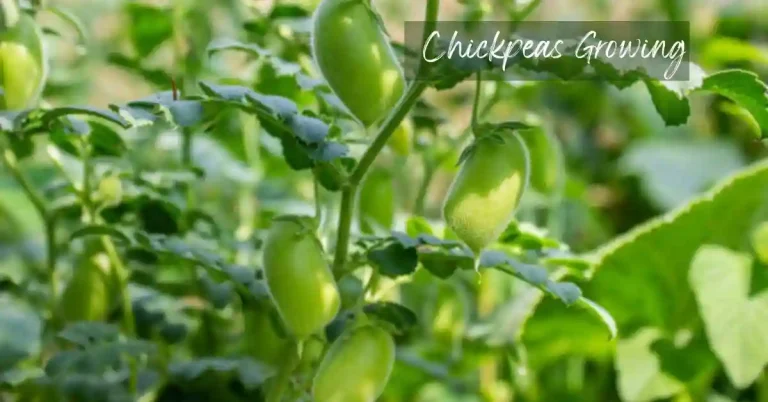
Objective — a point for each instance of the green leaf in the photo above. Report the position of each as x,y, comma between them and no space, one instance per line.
443,264
745,89
417,225
399,316
394,260
250,372
656,256
697,164
105,114
20,333
100,230
736,324
149,26
639,370
535,275
84,334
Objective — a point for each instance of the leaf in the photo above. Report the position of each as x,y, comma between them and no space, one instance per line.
443,264
697,164
639,370
736,324
535,275
417,225
656,256
394,260
745,89
100,230
250,372
401,318
20,333
149,27
85,334
105,114
73,21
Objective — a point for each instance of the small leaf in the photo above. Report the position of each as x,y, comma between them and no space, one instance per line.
394,260
105,114
402,318
100,230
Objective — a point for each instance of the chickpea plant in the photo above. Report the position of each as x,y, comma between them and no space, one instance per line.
150,286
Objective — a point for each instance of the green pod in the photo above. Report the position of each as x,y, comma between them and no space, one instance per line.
547,164
22,64
86,296
356,367
299,279
376,202
401,140
262,341
483,197
353,54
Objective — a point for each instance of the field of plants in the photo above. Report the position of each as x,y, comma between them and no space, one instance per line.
241,201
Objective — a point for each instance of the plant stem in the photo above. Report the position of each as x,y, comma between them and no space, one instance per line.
421,197
284,374
389,126
34,197
476,104
119,270
49,224
350,190
345,224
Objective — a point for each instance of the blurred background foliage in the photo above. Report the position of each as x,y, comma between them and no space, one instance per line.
624,167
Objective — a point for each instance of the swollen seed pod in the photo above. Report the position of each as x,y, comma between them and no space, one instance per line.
486,192
546,157
262,342
86,296
353,54
299,279
22,64
376,202
356,367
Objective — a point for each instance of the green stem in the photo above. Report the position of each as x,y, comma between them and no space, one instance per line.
430,18
49,224
476,104
389,126
345,225
350,190
34,197
421,197
290,360
119,270
318,203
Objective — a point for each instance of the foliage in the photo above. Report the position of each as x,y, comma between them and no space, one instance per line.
227,219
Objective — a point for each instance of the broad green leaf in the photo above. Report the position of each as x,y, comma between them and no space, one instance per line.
656,256
736,324
640,376
697,164
655,259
